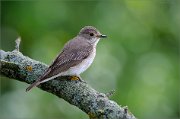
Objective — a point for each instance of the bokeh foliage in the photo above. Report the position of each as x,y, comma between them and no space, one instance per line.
140,58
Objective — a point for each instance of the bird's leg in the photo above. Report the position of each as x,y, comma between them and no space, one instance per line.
76,77
80,79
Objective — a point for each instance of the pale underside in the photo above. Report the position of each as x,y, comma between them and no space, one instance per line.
78,69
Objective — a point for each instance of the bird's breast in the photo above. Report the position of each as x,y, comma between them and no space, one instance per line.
85,64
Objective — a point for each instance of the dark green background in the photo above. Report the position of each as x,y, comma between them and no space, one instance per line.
140,58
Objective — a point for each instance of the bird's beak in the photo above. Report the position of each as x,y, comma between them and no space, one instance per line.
102,36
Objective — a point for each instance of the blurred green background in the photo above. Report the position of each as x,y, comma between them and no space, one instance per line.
140,58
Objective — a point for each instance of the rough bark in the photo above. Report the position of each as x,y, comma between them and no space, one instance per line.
97,105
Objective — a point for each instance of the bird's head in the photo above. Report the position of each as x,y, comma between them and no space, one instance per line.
91,34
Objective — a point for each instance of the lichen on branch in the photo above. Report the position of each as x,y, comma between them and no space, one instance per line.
97,105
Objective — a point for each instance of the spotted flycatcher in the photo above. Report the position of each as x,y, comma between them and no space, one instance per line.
76,56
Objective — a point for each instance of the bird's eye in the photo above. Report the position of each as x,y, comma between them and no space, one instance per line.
91,34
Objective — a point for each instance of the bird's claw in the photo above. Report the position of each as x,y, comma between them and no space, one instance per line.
75,78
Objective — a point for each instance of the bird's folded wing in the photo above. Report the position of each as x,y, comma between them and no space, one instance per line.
65,60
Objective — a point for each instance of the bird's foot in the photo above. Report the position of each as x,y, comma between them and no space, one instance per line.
75,78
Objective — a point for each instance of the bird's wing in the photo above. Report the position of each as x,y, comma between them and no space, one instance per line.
66,60
72,54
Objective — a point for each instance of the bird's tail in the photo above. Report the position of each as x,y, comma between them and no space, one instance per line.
33,85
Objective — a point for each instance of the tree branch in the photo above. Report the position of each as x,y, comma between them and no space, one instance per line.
97,105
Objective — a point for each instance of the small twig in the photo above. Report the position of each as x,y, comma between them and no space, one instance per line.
125,109
17,41
109,94
125,112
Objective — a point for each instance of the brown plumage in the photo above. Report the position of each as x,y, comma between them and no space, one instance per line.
73,54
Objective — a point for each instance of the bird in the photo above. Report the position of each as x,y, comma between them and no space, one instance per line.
76,56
